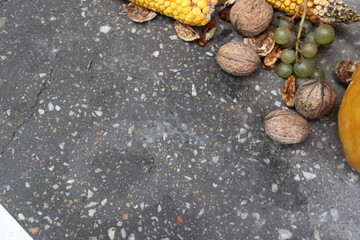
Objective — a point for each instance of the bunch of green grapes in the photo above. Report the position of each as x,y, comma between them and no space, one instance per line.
304,65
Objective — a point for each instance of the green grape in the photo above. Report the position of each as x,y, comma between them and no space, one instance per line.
309,50
277,16
292,42
307,27
300,81
282,35
318,73
310,38
289,25
324,34
284,70
305,67
288,56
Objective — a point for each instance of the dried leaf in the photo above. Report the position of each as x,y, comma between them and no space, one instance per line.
185,32
138,13
224,13
288,92
273,56
208,32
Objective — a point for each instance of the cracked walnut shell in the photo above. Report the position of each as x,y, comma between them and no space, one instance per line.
238,59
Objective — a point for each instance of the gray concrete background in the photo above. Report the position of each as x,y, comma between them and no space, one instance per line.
154,131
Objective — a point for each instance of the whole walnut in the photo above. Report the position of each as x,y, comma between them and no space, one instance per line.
250,18
238,59
315,98
286,126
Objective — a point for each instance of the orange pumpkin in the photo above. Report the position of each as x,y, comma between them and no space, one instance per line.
349,122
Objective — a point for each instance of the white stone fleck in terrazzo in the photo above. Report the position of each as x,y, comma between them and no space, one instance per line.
297,177
55,186
274,92
309,175
277,103
103,202
334,214
244,215
41,111
91,204
123,233
97,170
99,113
210,54
201,212
105,29
70,181
274,187
173,37
193,90
57,108
62,145
284,234
51,168
215,159
91,212
131,236
51,106
89,194
27,185
257,88
159,208
21,217
42,75
8,112
156,53
111,233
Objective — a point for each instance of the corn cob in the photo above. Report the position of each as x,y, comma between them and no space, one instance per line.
191,12
319,11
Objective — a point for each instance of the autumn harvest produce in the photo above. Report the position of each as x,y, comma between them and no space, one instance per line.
286,126
349,122
284,36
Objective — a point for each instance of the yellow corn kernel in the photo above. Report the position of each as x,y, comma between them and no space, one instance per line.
192,12
319,11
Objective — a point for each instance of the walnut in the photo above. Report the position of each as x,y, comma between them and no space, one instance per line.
286,126
250,18
288,92
345,69
238,59
315,98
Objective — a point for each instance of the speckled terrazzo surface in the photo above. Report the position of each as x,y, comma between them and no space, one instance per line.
116,130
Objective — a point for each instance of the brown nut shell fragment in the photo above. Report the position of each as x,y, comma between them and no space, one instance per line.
263,45
345,69
138,13
315,98
237,59
286,126
250,18
273,56
185,32
288,92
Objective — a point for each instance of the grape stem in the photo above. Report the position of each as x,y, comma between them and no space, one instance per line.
304,5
